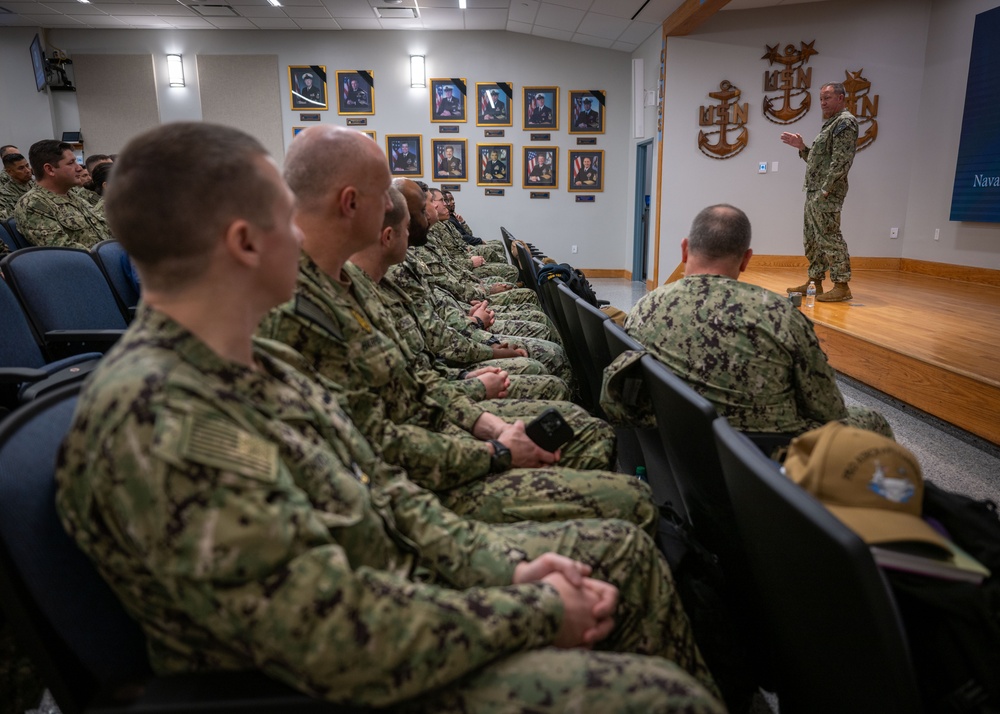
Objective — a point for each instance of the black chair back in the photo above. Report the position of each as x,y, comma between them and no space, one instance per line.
19,240
839,641
111,257
575,345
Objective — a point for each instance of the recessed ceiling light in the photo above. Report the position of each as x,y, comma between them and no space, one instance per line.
274,3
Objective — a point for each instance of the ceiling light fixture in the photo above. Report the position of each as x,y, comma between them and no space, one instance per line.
274,3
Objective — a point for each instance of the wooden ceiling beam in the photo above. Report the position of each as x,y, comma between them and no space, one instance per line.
690,15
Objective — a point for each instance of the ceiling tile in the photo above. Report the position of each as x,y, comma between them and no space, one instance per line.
488,4
41,10
301,3
319,13
72,8
524,27
317,24
63,21
15,21
524,10
591,40
552,33
602,26
274,23
118,9
231,23
638,32
104,21
190,23
624,46
175,10
576,4
442,19
558,17
255,11
358,23
617,8
401,24
495,19
350,8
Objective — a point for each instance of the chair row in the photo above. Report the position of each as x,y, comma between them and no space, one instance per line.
59,310
11,236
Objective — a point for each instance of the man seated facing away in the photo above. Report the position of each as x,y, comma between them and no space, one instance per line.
49,214
747,350
246,524
18,173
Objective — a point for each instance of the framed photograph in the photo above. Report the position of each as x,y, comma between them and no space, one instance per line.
355,91
586,170
495,106
448,100
307,87
586,111
450,159
541,107
540,167
405,154
370,135
494,164
296,130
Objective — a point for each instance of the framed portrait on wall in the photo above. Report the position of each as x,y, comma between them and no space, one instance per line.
494,164
307,87
586,171
405,154
355,91
448,99
541,107
370,134
494,107
586,111
450,159
540,167
296,130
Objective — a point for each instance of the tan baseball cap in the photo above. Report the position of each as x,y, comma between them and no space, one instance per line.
868,481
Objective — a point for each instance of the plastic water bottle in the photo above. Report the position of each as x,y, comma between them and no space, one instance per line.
811,294
640,473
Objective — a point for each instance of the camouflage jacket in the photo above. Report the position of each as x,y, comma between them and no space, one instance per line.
746,349
245,523
330,322
10,193
830,157
46,218
90,197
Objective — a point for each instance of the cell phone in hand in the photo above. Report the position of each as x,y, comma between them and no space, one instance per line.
549,430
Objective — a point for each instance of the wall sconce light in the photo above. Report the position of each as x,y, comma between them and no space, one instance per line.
418,77
175,71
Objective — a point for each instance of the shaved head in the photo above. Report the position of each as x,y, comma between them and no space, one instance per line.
324,159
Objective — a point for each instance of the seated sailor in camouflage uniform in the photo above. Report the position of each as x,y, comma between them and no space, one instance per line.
49,214
745,349
492,272
18,173
246,524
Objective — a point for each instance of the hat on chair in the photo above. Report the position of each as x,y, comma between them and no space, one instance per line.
868,481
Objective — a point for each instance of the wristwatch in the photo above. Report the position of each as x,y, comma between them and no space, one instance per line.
501,458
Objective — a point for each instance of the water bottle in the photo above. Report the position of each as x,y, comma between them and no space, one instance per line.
640,473
811,294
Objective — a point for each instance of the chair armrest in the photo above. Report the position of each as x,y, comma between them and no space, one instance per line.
56,337
19,375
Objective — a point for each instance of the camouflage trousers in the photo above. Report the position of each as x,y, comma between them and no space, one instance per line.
868,419
650,662
825,246
517,296
593,443
550,354
518,312
497,272
522,386
493,251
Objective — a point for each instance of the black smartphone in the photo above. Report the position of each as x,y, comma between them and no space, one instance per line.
549,430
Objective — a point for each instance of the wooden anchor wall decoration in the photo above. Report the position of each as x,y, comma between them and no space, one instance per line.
729,116
790,99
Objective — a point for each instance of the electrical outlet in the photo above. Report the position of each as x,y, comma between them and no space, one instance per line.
894,233
574,250
937,234
762,167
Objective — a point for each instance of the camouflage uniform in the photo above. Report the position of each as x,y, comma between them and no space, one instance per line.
827,162
244,521
46,218
90,197
745,349
330,324
10,193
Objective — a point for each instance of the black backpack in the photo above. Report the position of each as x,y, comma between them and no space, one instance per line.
575,280
954,627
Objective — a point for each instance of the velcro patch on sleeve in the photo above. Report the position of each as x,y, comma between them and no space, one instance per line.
215,441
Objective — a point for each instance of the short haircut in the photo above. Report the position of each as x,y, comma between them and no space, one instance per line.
423,186
3,149
100,175
95,159
720,231
11,159
176,188
398,213
837,88
322,160
46,151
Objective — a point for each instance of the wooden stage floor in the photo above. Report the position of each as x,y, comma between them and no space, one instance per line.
931,342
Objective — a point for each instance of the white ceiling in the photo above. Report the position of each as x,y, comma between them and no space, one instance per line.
615,24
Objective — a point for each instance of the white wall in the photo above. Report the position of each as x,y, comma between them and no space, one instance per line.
524,60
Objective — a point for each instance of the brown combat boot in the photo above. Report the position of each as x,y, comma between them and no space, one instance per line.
805,286
841,292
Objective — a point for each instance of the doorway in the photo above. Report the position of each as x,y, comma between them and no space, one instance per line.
643,183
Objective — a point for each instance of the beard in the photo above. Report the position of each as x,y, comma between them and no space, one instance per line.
418,235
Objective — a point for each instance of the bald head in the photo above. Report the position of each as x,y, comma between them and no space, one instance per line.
325,159
720,231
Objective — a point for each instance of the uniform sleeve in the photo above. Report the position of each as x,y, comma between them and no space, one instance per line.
40,226
233,562
818,396
844,142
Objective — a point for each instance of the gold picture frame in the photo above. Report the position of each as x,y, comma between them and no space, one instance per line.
450,159
494,104
586,171
586,111
447,98
307,87
355,92
493,165
540,108
540,167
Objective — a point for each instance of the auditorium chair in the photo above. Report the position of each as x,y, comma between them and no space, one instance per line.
24,373
89,652
7,239
11,225
658,468
68,301
110,257
839,643
576,345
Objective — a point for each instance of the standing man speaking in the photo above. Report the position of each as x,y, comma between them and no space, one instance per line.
827,162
